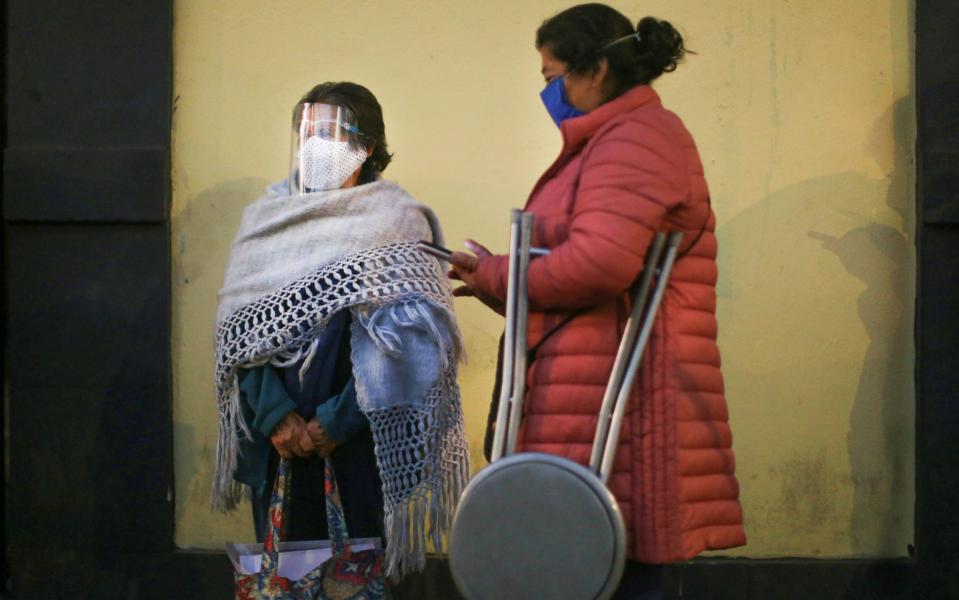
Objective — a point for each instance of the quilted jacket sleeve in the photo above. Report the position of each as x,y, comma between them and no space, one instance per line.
632,175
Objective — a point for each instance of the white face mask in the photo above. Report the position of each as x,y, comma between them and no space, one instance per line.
326,164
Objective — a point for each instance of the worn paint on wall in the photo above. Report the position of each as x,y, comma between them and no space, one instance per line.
804,117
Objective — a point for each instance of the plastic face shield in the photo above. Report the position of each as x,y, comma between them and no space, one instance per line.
314,121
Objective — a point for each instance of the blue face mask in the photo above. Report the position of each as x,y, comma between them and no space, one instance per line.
554,98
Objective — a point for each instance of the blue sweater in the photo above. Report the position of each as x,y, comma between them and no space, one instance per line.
327,392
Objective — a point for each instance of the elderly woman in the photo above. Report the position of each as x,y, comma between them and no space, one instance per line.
336,337
628,168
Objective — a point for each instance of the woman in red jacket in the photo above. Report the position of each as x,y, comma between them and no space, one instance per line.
628,169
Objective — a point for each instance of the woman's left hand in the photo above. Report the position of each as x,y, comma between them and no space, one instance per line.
320,438
463,268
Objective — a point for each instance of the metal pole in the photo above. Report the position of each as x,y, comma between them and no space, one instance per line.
522,314
630,332
637,356
509,342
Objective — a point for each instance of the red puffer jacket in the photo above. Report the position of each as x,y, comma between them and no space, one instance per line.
627,170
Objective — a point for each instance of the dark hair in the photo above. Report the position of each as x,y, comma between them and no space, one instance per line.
582,35
369,117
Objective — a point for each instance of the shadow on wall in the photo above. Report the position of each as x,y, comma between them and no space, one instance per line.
204,230
788,302
207,225
883,258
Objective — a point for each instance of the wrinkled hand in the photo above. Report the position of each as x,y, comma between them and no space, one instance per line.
463,268
321,440
290,437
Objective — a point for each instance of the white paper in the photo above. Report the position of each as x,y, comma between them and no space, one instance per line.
295,563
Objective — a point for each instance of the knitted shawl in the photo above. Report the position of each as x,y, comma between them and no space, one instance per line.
297,261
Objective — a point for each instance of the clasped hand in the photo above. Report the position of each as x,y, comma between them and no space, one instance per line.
293,436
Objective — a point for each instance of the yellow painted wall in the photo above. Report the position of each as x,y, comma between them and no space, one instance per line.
804,116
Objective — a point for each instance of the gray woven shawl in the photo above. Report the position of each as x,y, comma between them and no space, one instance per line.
298,260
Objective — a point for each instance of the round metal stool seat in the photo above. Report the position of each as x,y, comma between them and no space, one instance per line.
546,526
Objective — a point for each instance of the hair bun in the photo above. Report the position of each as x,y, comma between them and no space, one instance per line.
660,45
585,34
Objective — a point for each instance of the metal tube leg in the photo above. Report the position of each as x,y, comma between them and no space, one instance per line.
637,355
522,314
640,297
509,343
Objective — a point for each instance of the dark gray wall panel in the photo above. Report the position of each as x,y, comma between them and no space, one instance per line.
125,576
88,74
90,465
88,308
939,184
937,418
86,202
86,184
937,310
